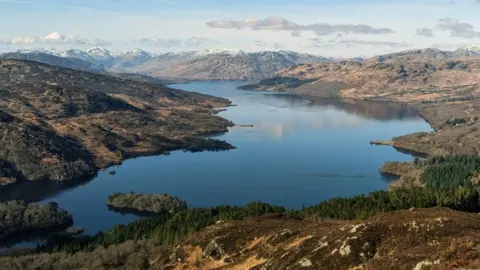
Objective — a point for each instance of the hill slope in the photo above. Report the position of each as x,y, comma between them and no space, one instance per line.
435,238
49,59
63,124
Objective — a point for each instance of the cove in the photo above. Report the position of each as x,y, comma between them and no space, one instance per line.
298,152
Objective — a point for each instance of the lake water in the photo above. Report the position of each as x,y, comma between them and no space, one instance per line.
298,153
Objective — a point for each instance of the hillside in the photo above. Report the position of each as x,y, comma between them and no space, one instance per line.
443,87
435,238
392,80
49,59
63,124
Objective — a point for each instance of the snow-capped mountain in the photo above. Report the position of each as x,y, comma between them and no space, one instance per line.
78,54
40,50
221,51
131,59
101,56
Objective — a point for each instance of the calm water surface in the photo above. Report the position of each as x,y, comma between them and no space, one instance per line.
298,153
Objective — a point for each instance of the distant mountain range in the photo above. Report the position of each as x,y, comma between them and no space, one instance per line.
213,64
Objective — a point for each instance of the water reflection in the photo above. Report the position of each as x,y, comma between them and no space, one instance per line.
365,108
298,152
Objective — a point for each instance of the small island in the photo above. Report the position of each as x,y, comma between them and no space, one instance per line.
145,203
18,217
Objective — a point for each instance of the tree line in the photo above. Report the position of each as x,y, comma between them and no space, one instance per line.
447,182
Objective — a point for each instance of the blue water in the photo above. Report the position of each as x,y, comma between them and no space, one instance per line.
298,153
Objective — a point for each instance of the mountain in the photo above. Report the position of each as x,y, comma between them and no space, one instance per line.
225,66
77,54
427,54
64,124
411,76
131,59
208,64
101,56
50,59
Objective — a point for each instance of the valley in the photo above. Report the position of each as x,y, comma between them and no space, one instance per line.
300,123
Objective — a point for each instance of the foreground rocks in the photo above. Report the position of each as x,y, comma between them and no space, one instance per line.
146,202
18,217
434,238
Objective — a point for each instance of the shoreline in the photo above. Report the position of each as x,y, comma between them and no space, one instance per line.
400,148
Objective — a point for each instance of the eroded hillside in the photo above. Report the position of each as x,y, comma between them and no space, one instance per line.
435,238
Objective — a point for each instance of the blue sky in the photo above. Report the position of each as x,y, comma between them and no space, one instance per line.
326,27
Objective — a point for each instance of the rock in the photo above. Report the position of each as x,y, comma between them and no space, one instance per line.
214,250
305,262
345,249
426,263
5,181
281,236
178,254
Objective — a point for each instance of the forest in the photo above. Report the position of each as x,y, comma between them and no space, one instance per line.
449,182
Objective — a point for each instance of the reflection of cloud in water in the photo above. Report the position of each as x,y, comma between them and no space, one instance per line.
278,130
288,122
328,121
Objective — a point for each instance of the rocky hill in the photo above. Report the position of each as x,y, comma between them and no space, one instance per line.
435,238
414,80
46,58
63,124
444,87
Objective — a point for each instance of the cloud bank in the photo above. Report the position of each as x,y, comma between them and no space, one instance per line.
282,24
54,38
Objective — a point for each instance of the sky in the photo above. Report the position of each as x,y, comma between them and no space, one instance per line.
336,28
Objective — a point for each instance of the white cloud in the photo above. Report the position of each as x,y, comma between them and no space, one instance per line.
172,43
336,43
424,32
457,28
280,23
260,43
54,38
